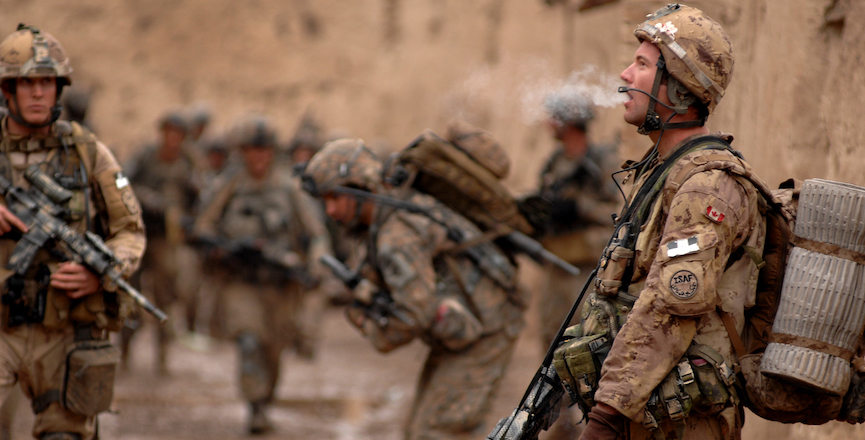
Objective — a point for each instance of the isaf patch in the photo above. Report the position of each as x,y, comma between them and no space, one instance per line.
684,284
714,214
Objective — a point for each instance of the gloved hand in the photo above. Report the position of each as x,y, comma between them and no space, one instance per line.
604,426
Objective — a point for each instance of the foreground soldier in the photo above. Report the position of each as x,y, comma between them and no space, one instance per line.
165,178
693,244
59,308
429,290
261,226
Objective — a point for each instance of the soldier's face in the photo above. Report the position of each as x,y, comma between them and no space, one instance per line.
641,75
35,97
257,160
340,207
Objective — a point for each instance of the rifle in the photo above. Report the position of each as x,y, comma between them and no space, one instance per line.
539,407
41,209
377,306
250,252
520,241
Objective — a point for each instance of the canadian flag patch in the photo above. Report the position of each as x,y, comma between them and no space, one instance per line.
714,214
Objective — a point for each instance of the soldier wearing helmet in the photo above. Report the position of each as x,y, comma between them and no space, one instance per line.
576,181
59,310
262,228
466,314
166,176
678,271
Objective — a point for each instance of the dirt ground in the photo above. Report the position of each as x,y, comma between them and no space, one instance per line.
347,392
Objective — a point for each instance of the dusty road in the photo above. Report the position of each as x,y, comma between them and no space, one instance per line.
348,391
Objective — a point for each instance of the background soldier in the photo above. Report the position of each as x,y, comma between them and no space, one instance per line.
692,242
165,178
469,320
577,181
59,307
263,227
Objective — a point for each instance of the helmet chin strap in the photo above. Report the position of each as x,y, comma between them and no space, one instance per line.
653,119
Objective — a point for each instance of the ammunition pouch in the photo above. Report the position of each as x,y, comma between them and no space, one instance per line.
578,363
88,377
701,383
25,298
616,260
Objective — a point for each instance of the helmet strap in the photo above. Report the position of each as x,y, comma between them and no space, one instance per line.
653,119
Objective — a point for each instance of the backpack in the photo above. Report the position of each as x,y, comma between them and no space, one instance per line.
771,397
464,174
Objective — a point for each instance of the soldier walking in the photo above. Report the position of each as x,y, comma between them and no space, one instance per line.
57,315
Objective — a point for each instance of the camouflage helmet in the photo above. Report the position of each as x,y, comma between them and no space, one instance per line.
343,162
253,131
31,53
697,51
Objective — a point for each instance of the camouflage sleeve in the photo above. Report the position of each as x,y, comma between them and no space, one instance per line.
708,217
125,227
405,262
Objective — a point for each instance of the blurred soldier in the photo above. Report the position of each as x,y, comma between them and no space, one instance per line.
56,316
306,140
419,284
75,105
578,184
262,228
165,178
686,257
199,120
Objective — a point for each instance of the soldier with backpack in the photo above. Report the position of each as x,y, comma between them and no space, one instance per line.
676,279
429,274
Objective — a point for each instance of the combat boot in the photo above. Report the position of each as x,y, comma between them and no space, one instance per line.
258,422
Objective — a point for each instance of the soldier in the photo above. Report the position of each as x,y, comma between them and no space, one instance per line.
262,226
583,196
165,178
467,314
681,269
58,308
578,184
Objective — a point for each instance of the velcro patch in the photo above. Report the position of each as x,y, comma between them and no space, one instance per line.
681,247
684,284
120,180
714,214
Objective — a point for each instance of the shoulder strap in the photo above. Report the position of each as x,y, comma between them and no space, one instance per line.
85,145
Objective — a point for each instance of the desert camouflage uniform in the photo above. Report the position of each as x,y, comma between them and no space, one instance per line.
583,196
167,191
33,354
264,312
680,293
469,321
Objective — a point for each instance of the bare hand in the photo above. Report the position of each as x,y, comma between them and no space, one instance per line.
75,279
8,221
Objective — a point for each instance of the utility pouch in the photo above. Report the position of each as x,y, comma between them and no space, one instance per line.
616,260
674,397
88,383
578,363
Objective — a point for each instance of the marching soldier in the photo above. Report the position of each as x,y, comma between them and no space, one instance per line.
262,226
56,316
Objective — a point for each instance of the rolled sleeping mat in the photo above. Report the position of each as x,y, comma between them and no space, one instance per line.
821,314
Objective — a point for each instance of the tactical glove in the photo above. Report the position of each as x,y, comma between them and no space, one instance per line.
604,426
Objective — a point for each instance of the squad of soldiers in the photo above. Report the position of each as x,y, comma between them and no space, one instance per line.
252,238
